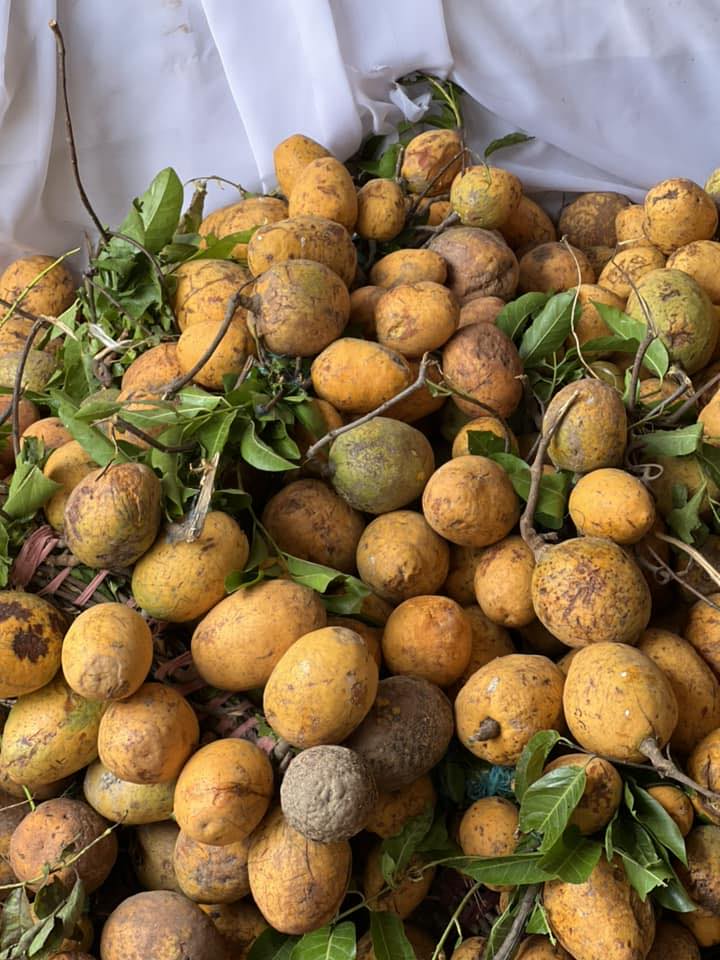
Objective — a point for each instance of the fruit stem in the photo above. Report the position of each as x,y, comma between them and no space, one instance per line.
664,765
489,729
527,529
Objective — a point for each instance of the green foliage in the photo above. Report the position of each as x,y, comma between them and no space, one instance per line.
327,943
58,911
547,804
502,143
554,488
673,443
388,937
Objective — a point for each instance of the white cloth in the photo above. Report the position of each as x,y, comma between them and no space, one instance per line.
618,94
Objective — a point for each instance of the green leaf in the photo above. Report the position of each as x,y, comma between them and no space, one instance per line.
484,443
385,166
97,410
673,443
552,502
50,935
215,434
674,896
15,918
608,841
538,922
49,899
221,248
684,518
519,868
29,488
573,857
73,907
396,852
549,330
160,209
327,943
509,140
388,937
532,760
5,559
308,414
271,945
645,867
709,459
656,358
350,601
514,316
259,455
501,928
655,818
436,844
547,804
99,447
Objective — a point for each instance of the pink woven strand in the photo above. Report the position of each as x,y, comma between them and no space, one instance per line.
91,588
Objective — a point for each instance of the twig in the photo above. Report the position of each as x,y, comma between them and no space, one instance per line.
691,552
454,919
332,434
664,765
17,386
691,401
190,529
176,385
16,309
525,908
578,346
527,529
636,367
69,136
450,220
151,441
441,172
61,864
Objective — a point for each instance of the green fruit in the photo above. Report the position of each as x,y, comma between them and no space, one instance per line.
38,369
381,465
682,314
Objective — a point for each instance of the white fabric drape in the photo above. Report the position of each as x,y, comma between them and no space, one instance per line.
618,94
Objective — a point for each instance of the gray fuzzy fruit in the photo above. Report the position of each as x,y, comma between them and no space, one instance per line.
381,465
328,793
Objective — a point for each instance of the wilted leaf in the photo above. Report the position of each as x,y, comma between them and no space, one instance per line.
684,518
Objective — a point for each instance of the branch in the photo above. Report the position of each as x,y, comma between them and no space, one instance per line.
151,441
378,411
17,309
69,136
190,529
691,552
578,346
176,385
527,530
669,574
525,908
443,170
17,386
143,249
691,401
664,765
636,367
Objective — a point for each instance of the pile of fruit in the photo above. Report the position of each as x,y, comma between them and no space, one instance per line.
360,571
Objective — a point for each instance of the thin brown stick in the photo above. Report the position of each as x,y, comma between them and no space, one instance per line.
378,411
691,401
190,529
527,521
576,297
69,135
151,441
664,765
670,574
176,385
691,552
17,386
636,367
450,220
421,196
525,908
17,309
